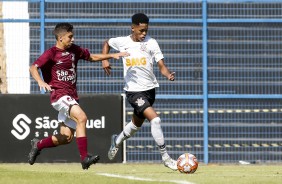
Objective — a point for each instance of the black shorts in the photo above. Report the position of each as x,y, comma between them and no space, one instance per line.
141,100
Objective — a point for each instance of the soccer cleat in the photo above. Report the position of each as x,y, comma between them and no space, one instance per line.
34,152
170,163
89,160
113,149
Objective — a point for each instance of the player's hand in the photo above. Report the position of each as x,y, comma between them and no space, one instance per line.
120,54
45,87
107,67
171,76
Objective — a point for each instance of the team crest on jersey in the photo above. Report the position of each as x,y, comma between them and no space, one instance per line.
140,102
65,53
144,47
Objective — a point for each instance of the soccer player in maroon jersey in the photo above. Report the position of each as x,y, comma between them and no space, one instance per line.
59,70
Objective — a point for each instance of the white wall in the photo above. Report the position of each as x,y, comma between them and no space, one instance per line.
17,46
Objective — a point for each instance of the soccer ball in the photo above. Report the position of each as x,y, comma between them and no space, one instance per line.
187,163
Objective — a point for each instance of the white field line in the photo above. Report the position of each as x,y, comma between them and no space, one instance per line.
143,179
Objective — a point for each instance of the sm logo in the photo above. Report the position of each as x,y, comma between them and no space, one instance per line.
21,126
136,61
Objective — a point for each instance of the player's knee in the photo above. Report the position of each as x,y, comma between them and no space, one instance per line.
82,119
155,124
156,121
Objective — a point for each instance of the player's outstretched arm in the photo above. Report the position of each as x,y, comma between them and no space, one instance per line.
100,57
165,71
35,74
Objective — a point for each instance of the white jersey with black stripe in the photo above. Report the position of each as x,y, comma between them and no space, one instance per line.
138,67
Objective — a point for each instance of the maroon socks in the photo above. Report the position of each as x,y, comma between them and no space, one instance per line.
82,146
45,143
80,141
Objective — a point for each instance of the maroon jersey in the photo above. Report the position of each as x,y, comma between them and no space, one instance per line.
59,68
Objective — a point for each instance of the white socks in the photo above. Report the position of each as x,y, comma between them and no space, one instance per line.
129,130
158,135
156,131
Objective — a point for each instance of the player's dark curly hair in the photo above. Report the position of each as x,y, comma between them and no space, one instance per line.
139,18
62,27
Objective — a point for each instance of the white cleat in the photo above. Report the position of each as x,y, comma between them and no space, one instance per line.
170,163
113,149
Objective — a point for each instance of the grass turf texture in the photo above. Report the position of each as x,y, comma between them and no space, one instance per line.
137,173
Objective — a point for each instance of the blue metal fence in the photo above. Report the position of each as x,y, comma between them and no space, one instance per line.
224,106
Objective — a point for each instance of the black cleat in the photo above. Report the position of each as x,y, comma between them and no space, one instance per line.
34,152
89,160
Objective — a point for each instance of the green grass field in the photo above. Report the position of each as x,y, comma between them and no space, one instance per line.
137,173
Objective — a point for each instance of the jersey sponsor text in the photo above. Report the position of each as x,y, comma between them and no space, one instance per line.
136,61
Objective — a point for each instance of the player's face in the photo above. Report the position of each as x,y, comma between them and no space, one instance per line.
67,39
139,32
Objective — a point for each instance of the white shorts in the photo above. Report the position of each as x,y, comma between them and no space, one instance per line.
63,106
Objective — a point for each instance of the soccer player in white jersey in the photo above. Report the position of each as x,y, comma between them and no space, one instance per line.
140,83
